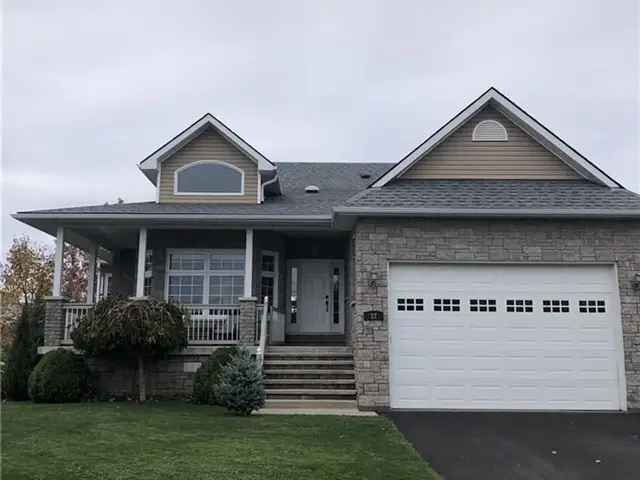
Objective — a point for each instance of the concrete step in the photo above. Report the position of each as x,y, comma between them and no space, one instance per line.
311,404
291,364
309,350
318,374
309,383
309,371
292,357
310,392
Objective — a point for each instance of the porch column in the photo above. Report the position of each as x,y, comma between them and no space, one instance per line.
91,272
247,321
142,250
248,262
57,263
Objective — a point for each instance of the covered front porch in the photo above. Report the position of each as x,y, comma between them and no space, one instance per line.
223,277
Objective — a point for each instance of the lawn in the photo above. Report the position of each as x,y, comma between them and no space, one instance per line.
182,441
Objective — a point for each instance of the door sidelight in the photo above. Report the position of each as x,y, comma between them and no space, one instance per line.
326,303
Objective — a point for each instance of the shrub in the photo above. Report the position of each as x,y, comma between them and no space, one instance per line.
132,328
208,375
22,355
241,387
60,376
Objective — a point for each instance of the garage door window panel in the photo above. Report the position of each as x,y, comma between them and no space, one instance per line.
482,305
592,306
555,306
519,305
446,304
410,304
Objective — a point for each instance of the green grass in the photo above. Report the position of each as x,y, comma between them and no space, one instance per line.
182,441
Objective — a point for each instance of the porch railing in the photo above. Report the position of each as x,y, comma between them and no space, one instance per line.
73,312
213,324
207,324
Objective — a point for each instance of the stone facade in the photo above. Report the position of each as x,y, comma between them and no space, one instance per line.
54,321
378,241
166,377
247,321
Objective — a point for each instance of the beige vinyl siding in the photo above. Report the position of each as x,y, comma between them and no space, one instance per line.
210,145
521,157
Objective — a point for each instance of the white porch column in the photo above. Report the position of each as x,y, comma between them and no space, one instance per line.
92,253
57,265
142,250
248,262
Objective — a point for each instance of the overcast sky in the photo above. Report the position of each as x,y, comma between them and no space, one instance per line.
89,88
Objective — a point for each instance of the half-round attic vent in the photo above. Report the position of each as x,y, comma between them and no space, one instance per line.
489,131
311,189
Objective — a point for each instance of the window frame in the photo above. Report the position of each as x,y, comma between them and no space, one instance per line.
274,275
207,272
211,194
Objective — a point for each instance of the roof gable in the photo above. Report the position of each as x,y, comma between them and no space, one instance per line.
149,165
521,119
501,151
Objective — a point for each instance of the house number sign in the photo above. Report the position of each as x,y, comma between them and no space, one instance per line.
373,316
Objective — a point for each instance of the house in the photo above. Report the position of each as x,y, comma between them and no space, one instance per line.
493,267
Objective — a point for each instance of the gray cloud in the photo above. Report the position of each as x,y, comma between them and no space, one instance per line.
90,88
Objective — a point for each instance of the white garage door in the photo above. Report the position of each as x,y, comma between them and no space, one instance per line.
505,337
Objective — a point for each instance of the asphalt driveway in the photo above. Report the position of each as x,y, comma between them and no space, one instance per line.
529,446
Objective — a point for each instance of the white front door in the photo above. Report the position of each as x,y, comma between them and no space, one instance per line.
315,297
505,337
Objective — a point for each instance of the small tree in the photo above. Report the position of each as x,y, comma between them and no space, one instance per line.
26,273
208,374
139,328
22,355
241,387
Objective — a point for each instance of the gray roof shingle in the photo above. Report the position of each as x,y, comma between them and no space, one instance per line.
495,195
342,187
336,181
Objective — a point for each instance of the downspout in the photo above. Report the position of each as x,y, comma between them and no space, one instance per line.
268,182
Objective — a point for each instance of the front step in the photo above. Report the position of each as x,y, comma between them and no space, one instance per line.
295,362
309,373
310,393
312,404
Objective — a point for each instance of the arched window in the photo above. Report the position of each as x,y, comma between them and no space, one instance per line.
489,131
209,178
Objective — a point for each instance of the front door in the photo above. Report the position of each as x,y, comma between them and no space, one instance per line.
315,297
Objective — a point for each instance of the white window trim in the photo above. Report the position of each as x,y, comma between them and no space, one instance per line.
274,275
475,138
206,272
210,194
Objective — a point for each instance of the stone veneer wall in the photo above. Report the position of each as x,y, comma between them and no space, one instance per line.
166,377
377,241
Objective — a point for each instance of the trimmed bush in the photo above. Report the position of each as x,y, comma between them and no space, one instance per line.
22,355
132,328
60,376
208,375
241,387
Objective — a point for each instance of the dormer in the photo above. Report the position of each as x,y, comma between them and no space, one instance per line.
209,163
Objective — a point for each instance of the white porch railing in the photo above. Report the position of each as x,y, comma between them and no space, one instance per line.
73,312
213,324
207,324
